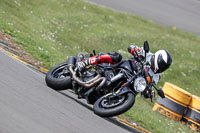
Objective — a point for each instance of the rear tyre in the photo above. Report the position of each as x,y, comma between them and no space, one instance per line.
108,107
58,77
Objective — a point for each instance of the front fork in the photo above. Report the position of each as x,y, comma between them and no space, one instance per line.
123,90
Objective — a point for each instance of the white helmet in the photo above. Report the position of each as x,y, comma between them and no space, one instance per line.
161,61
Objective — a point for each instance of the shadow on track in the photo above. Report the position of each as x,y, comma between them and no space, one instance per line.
110,119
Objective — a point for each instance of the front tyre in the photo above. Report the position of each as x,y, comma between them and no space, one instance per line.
108,106
58,77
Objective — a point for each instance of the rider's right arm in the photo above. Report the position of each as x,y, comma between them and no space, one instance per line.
155,76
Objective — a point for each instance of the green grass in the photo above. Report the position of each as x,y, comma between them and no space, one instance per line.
53,30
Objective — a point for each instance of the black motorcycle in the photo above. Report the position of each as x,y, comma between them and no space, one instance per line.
110,88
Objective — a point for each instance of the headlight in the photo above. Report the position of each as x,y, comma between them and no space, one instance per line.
140,84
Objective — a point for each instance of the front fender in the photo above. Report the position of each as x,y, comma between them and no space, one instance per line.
125,90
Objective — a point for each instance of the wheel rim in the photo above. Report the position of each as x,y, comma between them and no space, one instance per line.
61,72
108,102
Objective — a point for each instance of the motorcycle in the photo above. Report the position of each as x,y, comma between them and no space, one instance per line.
111,89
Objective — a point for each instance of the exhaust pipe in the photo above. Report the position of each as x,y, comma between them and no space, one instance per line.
89,83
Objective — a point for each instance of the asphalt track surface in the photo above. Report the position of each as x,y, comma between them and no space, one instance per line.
27,105
182,14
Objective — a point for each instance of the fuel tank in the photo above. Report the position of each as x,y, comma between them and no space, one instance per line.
129,64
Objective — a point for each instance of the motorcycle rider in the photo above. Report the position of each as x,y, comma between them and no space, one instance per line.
157,63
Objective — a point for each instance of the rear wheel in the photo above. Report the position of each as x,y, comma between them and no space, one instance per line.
110,105
58,77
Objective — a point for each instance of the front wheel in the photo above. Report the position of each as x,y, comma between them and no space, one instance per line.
109,105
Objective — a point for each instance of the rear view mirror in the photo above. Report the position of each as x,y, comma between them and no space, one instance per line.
146,46
161,93
94,52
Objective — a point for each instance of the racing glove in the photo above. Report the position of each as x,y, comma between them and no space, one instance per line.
136,51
